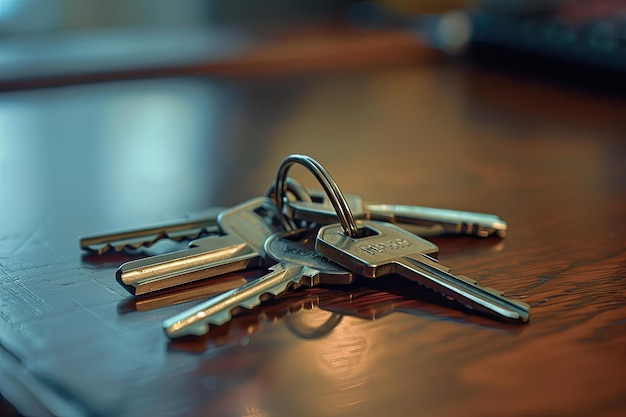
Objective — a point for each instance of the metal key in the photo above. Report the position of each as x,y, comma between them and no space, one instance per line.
192,227
383,248
245,228
195,226
299,265
425,221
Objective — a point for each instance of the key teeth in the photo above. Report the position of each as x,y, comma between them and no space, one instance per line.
112,247
254,301
199,330
220,318
103,249
249,303
202,328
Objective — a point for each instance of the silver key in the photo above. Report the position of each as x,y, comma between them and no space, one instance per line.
218,310
383,248
425,221
299,265
193,227
245,228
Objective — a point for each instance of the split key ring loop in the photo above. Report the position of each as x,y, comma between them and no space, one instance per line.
329,185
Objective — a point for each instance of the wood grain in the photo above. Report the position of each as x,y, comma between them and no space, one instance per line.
547,159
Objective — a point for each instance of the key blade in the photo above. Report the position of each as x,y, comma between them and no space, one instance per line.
452,221
219,310
197,225
462,289
212,257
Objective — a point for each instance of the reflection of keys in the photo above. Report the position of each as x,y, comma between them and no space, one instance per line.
383,249
245,228
422,220
315,312
244,325
299,265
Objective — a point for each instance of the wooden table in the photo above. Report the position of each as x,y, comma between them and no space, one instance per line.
547,158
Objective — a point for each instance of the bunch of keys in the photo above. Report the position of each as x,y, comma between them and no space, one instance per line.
303,238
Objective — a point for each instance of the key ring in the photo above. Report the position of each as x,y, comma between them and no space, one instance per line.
299,192
329,185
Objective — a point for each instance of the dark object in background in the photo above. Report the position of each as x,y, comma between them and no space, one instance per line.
581,43
567,44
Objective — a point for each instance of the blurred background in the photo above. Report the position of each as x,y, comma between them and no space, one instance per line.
135,91
105,104
46,42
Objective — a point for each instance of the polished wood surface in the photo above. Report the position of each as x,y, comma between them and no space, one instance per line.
547,158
